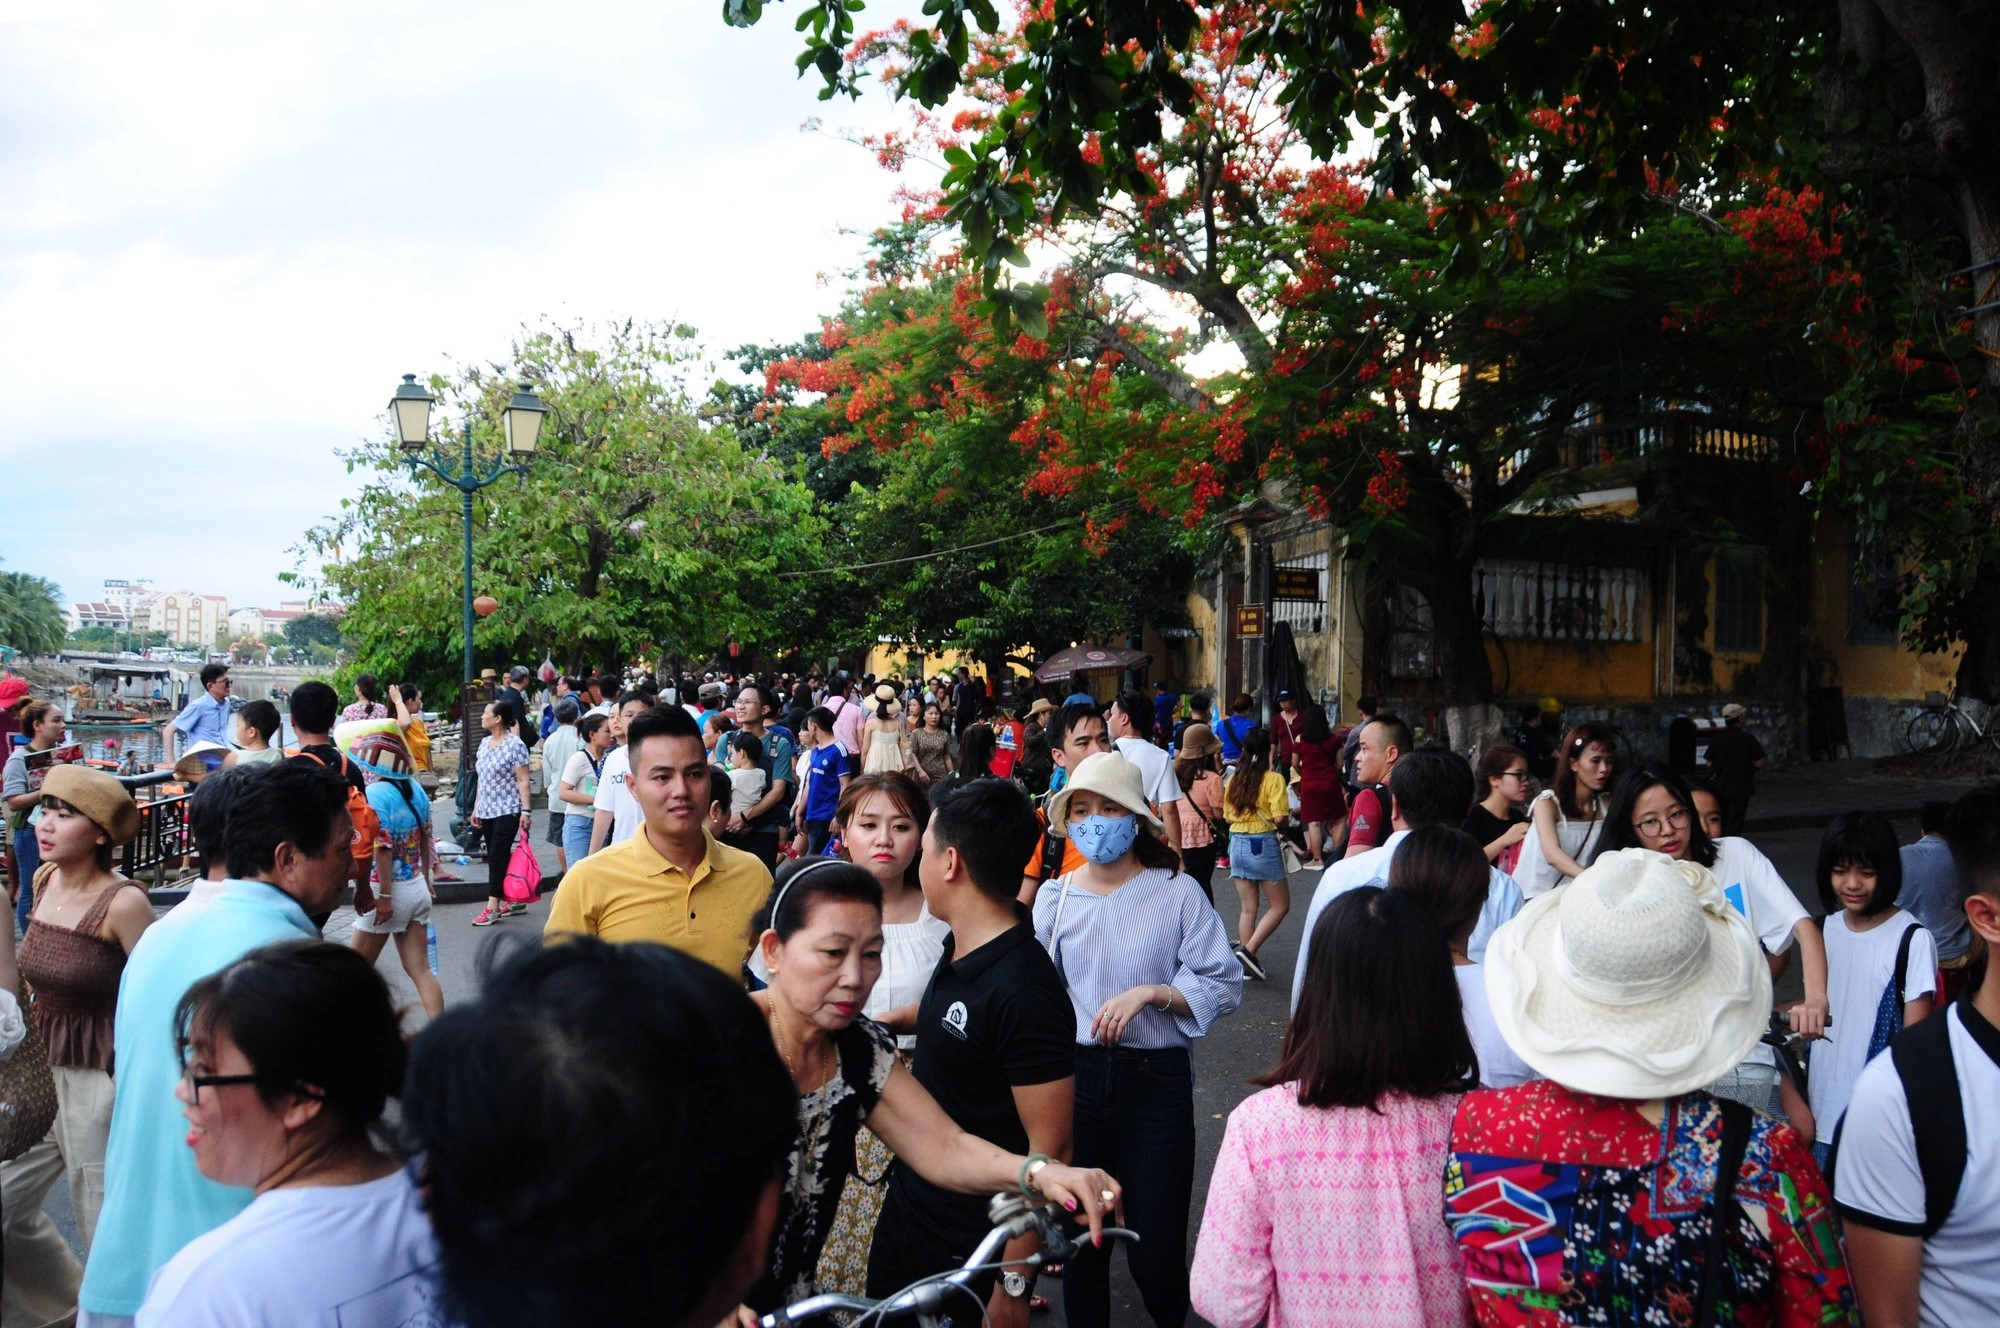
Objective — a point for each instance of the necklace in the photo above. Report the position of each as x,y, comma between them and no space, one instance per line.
811,1115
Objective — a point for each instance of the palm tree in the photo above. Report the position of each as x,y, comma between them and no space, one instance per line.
31,615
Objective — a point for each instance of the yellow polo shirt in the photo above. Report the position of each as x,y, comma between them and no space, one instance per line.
628,892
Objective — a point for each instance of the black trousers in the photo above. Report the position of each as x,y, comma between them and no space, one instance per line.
501,832
1200,864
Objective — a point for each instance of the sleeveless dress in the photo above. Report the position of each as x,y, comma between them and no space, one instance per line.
73,975
1532,871
885,748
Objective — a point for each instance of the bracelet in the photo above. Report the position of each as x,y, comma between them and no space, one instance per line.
1166,1005
1029,1170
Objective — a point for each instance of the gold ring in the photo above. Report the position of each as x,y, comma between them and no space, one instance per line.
1108,1196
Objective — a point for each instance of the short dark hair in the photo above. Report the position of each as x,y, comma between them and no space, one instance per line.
1379,1010
288,802
820,718
408,691
1974,835
718,784
1496,761
1935,819
210,672
992,824
314,707
1367,705
1861,839
263,717
1431,786
749,744
608,684
765,696
1071,715
1395,732
565,1115
1240,703
1138,709
306,1015
588,725
208,813
831,878
1201,703
628,696
1619,832
659,722
1444,871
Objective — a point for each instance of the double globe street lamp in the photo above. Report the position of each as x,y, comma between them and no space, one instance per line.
522,421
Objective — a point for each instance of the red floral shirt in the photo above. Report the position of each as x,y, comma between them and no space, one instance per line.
1574,1209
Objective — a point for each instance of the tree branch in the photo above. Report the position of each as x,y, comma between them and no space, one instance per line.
1166,375
1950,61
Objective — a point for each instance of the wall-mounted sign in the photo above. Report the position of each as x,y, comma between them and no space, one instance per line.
1295,583
1250,620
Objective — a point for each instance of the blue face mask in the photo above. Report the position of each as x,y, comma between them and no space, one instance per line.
1105,839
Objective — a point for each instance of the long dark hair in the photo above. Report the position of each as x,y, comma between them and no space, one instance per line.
1317,728
1618,831
1575,743
1247,784
1444,872
1379,1012
975,753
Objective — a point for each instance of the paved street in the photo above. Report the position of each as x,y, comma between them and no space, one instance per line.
1247,1043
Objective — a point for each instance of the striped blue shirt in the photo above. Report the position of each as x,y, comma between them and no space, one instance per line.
1157,927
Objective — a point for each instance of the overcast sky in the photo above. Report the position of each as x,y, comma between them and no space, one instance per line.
229,229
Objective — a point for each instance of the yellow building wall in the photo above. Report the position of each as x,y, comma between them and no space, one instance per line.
1890,671
900,660
1620,672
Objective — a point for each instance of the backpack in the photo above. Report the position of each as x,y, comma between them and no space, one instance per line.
1889,1012
366,823
1923,1060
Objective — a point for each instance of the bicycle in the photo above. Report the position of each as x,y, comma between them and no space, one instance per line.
1012,1216
1942,725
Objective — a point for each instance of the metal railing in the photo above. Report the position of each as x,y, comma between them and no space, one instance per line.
164,836
1561,601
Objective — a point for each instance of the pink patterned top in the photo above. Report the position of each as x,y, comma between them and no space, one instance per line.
1320,1217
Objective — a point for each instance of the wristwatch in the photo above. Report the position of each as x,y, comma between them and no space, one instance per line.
1016,1285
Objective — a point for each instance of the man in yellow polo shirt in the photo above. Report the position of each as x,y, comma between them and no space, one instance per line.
672,882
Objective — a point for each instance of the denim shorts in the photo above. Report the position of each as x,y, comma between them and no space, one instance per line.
1256,857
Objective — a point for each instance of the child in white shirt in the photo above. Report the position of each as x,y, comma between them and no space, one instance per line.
746,782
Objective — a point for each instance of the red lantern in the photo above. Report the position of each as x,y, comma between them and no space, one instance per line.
485,605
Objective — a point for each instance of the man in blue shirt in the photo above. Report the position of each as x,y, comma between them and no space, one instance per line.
206,718
286,847
826,778
1931,894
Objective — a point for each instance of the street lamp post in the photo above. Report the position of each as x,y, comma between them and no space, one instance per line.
522,418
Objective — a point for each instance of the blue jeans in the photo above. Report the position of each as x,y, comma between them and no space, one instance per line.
1135,1119
576,837
27,861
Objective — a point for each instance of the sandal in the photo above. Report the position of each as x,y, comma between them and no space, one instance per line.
487,917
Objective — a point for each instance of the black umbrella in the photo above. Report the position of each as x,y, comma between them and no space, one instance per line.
1282,670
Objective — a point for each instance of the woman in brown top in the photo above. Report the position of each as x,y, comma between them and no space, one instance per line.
86,920
930,748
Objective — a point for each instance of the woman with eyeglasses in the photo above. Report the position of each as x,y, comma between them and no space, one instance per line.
290,1055
1495,821
1652,809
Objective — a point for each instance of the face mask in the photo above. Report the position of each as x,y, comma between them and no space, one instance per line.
1105,839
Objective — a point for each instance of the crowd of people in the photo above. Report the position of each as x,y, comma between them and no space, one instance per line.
812,987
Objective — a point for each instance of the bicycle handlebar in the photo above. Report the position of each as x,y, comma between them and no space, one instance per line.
1012,1216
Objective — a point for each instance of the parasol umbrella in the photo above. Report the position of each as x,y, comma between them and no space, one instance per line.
1073,660
1283,671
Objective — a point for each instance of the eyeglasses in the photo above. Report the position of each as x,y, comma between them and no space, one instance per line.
1513,774
197,1082
1653,826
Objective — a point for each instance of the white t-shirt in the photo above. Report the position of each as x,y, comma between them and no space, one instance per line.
1766,902
332,1255
1499,1067
745,787
581,776
1858,968
614,797
1878,1182
1156,771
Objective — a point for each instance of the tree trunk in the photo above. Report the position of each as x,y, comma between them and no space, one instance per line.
1464,672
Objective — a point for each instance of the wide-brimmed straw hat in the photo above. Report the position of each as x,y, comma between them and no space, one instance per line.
101,799
1108,775
1636,980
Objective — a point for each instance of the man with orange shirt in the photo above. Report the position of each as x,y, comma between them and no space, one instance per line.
1077,731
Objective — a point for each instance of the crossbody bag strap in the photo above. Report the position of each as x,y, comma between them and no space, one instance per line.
1735,1138
1055,927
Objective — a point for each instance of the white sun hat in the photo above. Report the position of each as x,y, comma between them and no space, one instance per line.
1636,980
1108,775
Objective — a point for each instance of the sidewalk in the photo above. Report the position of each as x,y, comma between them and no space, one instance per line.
1804,796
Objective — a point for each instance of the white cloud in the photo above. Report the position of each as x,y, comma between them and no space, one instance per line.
231,227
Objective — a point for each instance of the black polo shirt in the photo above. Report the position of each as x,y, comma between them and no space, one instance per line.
998,1019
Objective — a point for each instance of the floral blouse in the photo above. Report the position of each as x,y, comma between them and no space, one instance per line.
360,710
1569,1208
499,793
821,1160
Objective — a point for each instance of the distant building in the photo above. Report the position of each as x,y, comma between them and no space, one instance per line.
114,616
265,622
127,596
187,619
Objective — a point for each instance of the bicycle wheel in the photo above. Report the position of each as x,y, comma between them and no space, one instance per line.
1930,733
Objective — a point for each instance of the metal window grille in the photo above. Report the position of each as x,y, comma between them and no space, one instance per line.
1739,600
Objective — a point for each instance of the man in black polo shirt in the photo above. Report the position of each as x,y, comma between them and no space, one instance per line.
996,1042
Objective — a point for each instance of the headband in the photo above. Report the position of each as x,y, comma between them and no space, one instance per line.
793,880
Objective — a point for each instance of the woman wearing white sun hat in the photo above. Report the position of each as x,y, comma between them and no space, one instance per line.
1149,970
1594,1193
